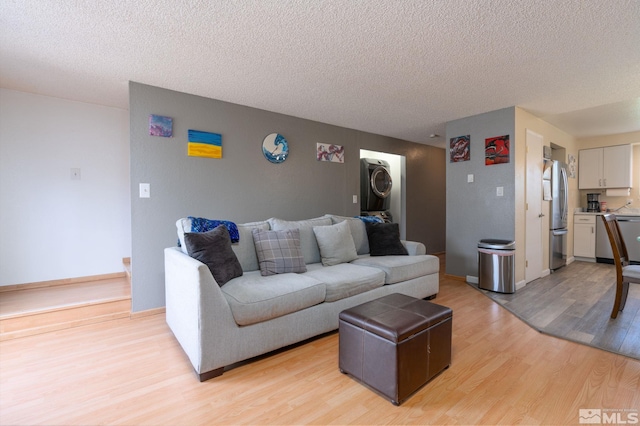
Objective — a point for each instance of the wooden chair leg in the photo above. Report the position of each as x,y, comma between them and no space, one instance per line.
617,301
625,292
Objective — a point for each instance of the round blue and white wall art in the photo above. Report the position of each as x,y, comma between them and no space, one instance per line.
275,148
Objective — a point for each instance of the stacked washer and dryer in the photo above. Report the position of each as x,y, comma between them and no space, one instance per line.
375,189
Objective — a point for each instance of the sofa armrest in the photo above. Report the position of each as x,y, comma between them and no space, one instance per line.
195,306
414,248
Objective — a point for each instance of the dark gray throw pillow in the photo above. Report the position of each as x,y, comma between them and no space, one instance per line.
213,248
384,239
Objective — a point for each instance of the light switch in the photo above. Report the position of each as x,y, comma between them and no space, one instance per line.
355,199
145,190
500,191
469,178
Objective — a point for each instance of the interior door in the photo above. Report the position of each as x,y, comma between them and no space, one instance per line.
534,215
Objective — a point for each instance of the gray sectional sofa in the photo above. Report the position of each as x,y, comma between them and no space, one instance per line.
253,314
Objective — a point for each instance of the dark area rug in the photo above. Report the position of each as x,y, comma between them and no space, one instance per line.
574,303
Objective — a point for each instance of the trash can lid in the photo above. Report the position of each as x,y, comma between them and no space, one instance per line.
497,244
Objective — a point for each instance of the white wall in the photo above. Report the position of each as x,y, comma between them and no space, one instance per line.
53,227
564,145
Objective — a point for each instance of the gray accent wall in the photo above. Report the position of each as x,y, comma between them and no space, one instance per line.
243,186
474,211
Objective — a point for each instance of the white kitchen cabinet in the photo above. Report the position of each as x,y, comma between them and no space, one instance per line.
617,161
608,167
590,168
584,237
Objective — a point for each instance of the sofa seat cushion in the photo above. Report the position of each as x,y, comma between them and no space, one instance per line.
255,298
401,268
345,279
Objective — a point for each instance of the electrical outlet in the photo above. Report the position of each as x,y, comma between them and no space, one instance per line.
355,199
469,178
500,191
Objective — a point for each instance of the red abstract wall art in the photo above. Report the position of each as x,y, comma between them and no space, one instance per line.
496,150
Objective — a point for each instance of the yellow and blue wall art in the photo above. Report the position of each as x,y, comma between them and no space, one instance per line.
204,144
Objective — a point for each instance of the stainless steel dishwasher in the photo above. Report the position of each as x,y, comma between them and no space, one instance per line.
630,229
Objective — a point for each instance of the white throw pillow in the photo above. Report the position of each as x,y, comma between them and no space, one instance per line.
358,231
335,243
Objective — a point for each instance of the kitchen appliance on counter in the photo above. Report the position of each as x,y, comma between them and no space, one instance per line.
630,230
559,211
593,203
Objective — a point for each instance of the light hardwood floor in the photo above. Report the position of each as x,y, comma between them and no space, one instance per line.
134,372
35,310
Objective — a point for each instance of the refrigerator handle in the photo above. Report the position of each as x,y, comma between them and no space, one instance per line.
565,201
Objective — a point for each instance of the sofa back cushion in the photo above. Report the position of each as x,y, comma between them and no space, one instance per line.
183,225
245,249
308,240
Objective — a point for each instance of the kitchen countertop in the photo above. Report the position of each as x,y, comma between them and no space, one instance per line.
624,212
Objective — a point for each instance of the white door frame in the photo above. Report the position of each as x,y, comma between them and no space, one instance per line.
533,211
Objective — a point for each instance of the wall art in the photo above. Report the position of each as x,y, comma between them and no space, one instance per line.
330,152
275,148
204,144
160,126
496,150
459,149
572,166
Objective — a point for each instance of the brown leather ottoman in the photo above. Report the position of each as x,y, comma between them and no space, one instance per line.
395,344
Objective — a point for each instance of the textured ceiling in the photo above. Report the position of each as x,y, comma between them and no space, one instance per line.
393,67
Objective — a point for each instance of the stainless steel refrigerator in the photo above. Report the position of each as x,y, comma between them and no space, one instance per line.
559,212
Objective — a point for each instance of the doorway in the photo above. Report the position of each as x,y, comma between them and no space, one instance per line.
397,171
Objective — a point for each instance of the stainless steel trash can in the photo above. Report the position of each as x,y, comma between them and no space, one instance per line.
496,265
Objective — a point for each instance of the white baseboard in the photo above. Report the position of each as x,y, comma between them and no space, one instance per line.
471,279
585,259
148,312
